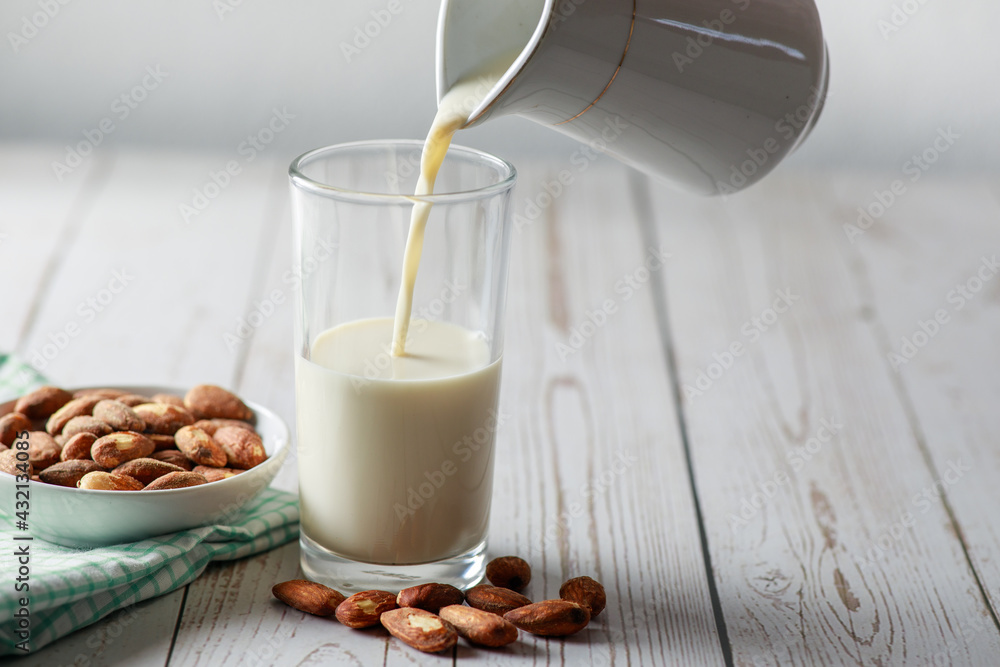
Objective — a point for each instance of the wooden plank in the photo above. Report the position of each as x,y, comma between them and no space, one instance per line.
791,507
39,217
940,327
179,287
151,296
590,475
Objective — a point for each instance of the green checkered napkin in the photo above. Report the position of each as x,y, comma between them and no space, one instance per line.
73,588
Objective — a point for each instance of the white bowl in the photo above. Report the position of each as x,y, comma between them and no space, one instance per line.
87,518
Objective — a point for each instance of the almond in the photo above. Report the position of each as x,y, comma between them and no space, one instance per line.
177,480
430,597
308,596
169,399
207,401
509,572
174,456
585,592
551,618
146,470
118,416
85,424
78,407
478,626
12,424
210,426
494,599
42,402
362,610
419,629
133,400
102,392
244,449
215,474
9,463
115,449
78,447
162,442
162,418
108,481
200,447
67,473
43,451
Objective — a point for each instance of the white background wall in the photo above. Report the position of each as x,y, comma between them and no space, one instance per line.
227,70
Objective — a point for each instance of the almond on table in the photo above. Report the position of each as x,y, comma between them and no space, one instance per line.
430,597
308,596
550,618
509,572
478,626
419,629
586,592
494,599
363,610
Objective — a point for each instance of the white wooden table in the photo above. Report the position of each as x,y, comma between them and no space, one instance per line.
731,451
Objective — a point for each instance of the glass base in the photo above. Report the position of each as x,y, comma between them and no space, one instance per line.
348,576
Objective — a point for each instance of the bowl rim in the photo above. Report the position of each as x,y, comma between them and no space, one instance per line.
280,450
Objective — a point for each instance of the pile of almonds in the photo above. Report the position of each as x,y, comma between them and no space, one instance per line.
431,617
111,440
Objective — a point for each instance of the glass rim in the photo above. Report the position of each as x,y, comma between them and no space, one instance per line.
300,180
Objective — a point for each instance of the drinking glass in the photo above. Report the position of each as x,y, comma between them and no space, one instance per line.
396,474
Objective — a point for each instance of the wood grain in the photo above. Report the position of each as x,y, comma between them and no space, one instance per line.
936,308
793,574
165,325
875,545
